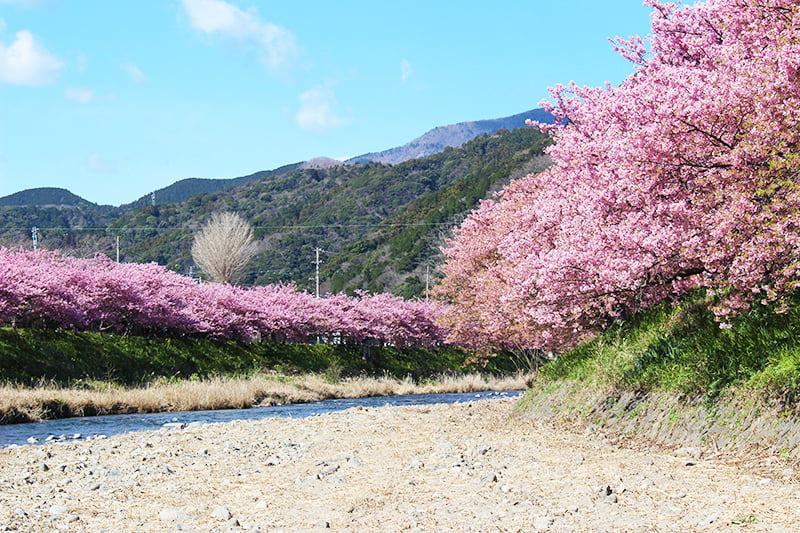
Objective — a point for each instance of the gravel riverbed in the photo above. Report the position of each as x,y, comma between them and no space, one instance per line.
459,467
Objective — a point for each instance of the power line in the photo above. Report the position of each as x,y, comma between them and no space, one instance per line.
184,228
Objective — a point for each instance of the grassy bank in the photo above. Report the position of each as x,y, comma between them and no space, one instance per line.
50,400
55,374
672,376
683,350
28,357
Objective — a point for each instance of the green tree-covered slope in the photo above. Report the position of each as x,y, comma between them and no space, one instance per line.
379,226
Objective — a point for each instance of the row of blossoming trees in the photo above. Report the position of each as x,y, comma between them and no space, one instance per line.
46,289
685,176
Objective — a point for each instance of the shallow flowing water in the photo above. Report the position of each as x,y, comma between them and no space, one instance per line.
90,427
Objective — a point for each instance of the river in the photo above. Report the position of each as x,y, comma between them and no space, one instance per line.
91,427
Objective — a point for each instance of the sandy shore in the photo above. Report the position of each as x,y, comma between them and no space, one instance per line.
462,467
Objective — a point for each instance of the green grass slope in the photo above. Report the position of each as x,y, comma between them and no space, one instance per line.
670,375
683,350
31,356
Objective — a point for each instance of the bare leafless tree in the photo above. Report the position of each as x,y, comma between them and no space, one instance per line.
224,247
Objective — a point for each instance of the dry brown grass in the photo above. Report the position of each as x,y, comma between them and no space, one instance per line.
47,400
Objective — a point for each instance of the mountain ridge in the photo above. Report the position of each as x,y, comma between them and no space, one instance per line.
45,197
381,226
432,142
184,189
454,135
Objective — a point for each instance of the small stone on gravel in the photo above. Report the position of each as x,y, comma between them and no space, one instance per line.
221,513
172,515
542,523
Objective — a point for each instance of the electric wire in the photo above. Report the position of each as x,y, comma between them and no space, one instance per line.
185,228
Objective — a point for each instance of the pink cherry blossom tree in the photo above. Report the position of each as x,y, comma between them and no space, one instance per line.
47,290
684,176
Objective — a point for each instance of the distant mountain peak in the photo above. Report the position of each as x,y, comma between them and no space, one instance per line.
322,162
432,142
455,135
44,197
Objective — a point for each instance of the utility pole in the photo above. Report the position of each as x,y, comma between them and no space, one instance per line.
117,248
153,198
427,280
316,262
35,235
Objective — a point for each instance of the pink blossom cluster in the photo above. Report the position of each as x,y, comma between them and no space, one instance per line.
49,290
686,175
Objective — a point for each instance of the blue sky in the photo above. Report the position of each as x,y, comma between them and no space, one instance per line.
112,99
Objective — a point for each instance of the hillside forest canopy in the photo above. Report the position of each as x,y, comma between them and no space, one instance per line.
683,178
380,226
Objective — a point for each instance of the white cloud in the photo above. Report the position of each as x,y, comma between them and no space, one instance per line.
134,72
276,46
317,112
405,70
26,62
97,163
80,95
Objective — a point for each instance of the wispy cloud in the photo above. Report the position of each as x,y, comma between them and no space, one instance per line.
317,113
95,162
405,70
276,46
2,25
134,72
80,95
26,62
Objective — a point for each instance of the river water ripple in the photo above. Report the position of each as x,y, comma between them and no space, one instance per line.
90,427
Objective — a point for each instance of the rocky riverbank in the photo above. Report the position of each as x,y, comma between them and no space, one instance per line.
462,467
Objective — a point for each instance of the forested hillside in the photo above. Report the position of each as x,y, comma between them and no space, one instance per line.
55,226
43,196
186,188
379,226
